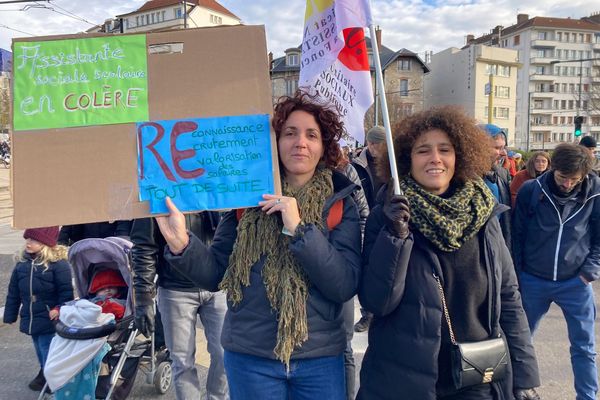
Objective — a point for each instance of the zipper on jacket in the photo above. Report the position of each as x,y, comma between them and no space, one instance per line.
31,296
561,226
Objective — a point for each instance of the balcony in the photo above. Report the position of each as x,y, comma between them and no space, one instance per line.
541,127
596,46
547,110
542,77
541,60
544,43
544,94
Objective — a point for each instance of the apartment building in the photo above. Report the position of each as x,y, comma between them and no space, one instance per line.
560,78
403,73
463,77
162,15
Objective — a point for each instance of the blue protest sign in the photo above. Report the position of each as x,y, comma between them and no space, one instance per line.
205,163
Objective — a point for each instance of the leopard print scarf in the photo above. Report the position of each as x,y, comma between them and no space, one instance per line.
449,222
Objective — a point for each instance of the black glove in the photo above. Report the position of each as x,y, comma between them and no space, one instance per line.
526,394
397,213
144,312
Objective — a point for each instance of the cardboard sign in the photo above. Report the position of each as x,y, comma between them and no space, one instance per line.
203,164
79,82
86,174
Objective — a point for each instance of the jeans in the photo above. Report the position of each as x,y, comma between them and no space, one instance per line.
251,377
41,343
179,311
576,300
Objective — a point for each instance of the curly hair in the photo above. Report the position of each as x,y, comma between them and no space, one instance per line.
46,255
530,165
471,145
327,118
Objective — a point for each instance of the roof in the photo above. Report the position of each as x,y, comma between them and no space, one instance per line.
544,22
154,4
386,57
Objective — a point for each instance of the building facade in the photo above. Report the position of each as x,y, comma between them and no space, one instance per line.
163,15
463,77
560,78
403,73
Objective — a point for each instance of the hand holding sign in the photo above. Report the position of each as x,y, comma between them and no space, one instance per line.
287,206
173,228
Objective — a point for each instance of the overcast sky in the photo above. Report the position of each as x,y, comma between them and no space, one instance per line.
413,24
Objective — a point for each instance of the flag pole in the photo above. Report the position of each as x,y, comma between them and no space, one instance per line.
384,109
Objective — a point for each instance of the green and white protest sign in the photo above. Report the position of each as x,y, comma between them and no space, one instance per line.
80,82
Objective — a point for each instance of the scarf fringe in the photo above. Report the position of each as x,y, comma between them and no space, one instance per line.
285,282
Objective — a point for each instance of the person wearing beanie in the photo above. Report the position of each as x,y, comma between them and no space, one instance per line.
106,290
366,166
40,281
590,144
498,178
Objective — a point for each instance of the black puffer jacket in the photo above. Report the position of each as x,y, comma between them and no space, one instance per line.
399,288
36,289
147,254
331,260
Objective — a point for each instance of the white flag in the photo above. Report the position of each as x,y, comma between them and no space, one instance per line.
335,62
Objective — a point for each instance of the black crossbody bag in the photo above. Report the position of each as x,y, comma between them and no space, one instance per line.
476,362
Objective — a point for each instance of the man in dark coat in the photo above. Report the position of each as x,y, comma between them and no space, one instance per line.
556,250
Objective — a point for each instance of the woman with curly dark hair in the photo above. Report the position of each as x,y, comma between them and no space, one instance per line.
287,266
437,272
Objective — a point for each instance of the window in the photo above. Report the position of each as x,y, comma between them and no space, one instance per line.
137,20
291,85
539,70
163,15
504,70
404,87
147,19
542,35
491,69
404,65
152,18
539,137
516,40
499,112
502,91
559,36
406,110
292,59
214,19
178,13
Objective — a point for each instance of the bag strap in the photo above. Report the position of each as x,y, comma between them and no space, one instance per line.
336,212
446,313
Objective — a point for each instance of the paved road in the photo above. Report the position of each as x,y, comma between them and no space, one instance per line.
18,364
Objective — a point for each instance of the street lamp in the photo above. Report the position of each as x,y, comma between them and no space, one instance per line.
580,61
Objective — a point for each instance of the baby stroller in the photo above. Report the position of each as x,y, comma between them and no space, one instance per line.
128,350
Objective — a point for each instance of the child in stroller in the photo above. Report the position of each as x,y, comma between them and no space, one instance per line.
99,264
105,291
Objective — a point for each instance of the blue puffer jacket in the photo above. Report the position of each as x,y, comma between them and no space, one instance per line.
552,246
36,289
399,288
331,260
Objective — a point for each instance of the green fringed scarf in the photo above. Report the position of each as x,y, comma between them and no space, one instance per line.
449,222
285,281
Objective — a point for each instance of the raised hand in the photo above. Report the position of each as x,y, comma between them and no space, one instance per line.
173,228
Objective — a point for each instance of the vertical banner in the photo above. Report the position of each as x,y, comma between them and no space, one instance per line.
335,62
205,163
80,82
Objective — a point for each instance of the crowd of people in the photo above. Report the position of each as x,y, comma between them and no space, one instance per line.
453,273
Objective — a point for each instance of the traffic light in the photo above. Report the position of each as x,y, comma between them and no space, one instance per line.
578,121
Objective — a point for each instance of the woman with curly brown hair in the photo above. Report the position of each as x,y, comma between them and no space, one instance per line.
437,272
287,267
